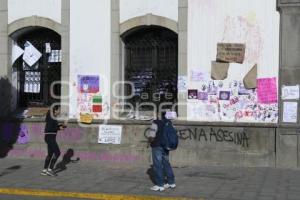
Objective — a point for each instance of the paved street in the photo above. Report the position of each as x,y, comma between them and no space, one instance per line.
209,183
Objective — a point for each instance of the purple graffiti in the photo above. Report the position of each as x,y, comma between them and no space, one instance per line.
23,137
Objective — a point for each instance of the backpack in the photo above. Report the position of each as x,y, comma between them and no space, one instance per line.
169,136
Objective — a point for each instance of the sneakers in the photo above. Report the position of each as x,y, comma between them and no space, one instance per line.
167,185
44,172
157,188
50,172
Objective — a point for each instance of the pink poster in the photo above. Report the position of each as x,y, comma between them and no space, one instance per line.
267,90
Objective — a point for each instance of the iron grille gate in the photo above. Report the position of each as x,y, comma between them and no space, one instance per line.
151,64
50,71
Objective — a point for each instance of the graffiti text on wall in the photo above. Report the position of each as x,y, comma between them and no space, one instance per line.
218,135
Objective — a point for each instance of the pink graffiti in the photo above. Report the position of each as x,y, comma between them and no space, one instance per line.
83,155
37,128
72,135
239,28
23,137
119,157
27,153
69,135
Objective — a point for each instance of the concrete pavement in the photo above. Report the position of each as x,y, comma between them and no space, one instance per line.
125,182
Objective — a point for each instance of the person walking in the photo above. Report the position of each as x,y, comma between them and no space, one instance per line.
160,156
51,128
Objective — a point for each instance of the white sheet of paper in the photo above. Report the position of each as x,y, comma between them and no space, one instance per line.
182,83
110,134
48,47
16,52
290,92
290,110
198,75
31,54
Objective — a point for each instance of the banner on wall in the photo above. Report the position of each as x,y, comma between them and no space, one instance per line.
110,134
88,83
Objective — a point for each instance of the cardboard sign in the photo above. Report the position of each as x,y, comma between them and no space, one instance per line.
250,78
231,52
219,71
37,111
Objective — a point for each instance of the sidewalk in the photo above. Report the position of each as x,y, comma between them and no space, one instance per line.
209,183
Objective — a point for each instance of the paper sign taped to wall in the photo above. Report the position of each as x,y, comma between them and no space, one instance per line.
16,52
231,52
110,134
250,78
267,90
198,75
219,71
290,92
88,83
290,110
182,83
31,55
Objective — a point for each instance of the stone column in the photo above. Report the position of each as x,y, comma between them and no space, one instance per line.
182,54
289,74
65,47
5,72
115,73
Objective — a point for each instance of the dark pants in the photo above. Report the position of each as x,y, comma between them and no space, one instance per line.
161,166
53,151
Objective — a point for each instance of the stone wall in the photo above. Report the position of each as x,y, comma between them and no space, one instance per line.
199,144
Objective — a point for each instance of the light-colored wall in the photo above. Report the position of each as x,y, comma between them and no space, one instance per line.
90,47
134,8
46,8
253,22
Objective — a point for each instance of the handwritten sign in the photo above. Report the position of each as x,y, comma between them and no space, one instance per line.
290,92
198,75
290,110
267,90
110,134
231,52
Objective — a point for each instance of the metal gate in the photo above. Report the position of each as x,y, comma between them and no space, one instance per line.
151,64
49,71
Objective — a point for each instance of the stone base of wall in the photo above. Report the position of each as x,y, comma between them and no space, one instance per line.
199,145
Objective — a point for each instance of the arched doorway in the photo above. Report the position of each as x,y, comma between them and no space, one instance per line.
151,64
34,82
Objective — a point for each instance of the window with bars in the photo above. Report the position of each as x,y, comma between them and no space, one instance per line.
44,72
151,64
